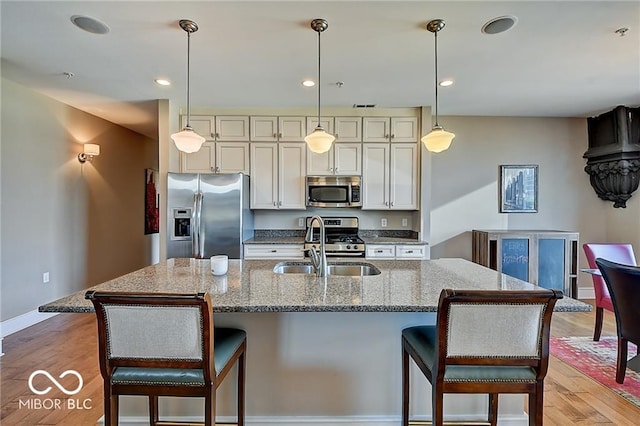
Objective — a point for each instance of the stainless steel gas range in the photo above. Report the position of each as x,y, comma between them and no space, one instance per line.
341,237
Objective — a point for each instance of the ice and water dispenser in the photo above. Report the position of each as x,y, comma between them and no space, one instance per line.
181,224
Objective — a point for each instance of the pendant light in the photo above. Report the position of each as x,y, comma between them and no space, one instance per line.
438,139
188,140
319,140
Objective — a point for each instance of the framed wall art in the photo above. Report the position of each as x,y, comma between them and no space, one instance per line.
518,189
151,203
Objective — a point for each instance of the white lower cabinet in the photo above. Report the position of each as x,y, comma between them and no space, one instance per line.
399,251
278,172
273,251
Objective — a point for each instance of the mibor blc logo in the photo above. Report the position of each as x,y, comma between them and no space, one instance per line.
55,403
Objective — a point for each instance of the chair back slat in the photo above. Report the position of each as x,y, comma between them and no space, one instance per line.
506,330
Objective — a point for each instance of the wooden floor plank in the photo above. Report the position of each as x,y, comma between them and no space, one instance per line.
68,341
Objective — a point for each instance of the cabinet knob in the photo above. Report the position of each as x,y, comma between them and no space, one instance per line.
274,203
386,203
379,251
213,169
275,135
217,135
409,251
280,135
274,251
213,135
337,136
330,169
393,136
335,170
392,204
386,136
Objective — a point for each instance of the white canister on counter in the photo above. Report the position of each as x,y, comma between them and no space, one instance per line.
219,264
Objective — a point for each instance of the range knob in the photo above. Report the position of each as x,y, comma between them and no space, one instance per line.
355,247
348,247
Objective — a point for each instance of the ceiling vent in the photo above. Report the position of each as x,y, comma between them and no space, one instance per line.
364,105
499,25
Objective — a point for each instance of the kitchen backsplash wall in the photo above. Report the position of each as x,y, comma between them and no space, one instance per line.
369,219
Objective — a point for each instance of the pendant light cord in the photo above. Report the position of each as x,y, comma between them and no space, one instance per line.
188,73
436,73
319,85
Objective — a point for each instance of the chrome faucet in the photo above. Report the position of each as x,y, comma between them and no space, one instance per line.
319,260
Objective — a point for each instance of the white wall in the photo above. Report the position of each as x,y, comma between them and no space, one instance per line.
464,188
83,224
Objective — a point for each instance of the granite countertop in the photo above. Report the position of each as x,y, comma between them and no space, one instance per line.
252,286
392,240
275,240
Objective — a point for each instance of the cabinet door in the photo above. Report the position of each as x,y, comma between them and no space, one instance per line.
232,128
264,129
403,173
411,251
292,129
264,175
201,161
552,267
375,176
404,129
348,129
326,122
204,125
375,129
292,160
320,164
232,157
273,251
347,158
514,256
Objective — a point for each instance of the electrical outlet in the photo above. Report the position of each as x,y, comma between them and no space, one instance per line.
404,221
45,277
383,222
301,222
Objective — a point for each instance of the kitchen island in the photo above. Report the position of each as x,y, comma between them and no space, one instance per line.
320,350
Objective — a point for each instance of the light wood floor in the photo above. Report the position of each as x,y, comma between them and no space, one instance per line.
68,341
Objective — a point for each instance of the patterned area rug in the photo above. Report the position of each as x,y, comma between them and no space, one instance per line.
598,361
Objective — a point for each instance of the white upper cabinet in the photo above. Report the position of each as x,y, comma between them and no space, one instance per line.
278,175
341,159
348,129
390,176
326,122
232,128
220,128
394,129
292,129
217,157
264,129
204,125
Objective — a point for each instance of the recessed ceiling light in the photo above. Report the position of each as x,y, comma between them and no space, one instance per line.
499,25
90,25
445,83
163,82
308,83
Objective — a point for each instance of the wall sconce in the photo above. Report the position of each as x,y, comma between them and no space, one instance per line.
89,150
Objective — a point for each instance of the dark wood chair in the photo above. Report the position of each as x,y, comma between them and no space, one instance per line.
616,252
164,345
488,342
623,282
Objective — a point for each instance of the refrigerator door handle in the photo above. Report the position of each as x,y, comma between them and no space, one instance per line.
197,222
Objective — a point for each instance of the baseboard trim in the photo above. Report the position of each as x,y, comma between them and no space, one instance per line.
315,420
586,293
23,321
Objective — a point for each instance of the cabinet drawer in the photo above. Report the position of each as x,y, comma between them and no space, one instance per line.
273,251
381,251
410,252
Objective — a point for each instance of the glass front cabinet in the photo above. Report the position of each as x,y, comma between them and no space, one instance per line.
546,258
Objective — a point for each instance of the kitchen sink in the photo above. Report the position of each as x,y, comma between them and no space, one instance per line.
351,269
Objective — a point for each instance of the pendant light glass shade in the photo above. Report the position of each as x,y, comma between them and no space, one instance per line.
319,140
438,139
187,140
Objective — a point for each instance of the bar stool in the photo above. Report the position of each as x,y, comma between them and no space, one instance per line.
164,345
489,342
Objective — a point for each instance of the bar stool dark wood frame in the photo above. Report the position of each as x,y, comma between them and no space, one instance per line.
435,369
206,365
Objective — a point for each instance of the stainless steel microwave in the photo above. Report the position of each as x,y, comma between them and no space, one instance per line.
333,191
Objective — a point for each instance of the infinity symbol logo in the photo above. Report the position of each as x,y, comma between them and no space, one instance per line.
55,382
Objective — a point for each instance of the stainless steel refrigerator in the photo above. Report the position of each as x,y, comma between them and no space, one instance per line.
208,214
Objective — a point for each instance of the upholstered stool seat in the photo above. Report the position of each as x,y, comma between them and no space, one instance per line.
488,342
